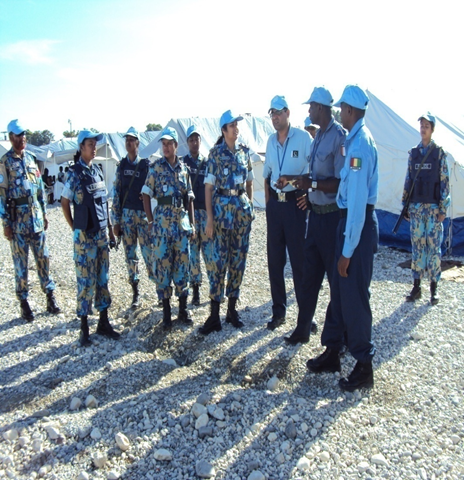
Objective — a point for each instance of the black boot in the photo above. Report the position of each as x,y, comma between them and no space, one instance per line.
362,376
135,295
232,315
328,361
196,294
416,292
84,338
52,306
167,320
213,323
183,313
104,327
434,298
26,311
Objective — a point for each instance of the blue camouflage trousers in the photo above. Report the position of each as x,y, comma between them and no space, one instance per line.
200,244
426,240
135,228
171,263
20,245
91,257
228,255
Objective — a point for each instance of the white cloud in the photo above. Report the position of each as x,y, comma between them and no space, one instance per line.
32,52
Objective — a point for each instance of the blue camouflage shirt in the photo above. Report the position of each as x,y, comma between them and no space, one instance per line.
20,177
359,183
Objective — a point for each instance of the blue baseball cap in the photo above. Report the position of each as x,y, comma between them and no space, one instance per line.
307,122
320,95
354,96
278,103
15,127
169,133
132,132
228,117
429,117
191,130
83,134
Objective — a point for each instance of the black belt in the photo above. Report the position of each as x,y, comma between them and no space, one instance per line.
230,192
170,200
25,200
286,196
344,211
323,209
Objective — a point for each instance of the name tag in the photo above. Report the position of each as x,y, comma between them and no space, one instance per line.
130,173
425,166
95,186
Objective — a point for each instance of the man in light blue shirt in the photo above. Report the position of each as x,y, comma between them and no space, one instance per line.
356,242
287,153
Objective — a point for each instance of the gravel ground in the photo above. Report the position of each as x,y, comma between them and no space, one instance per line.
236,404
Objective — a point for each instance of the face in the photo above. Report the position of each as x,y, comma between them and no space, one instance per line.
132,145
425,129
194,142
280,118
89,149
169,148
231,132
18,142
315,112
344,114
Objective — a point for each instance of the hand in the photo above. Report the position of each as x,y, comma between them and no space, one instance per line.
45,222
343,264
406,217
302,202
194,233
209,228
302,183
441,217
282,182
8,232
117,230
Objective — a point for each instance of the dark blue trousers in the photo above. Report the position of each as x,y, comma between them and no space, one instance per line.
319,253
286,224
351,311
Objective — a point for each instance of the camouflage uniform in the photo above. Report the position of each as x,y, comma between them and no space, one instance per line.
133,221
171,226
91,256
20,179
426,230
201,242
232,216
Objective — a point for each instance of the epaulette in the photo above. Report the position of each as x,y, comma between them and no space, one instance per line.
341,131
244,147
31,154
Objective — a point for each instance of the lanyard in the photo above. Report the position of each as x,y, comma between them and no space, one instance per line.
281,163
314,151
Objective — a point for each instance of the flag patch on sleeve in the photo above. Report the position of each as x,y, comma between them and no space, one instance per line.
355,163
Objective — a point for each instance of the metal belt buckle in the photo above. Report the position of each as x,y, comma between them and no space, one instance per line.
281,197
234,192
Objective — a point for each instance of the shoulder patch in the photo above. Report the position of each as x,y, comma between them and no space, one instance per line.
244,147
3,176
355,163
341,131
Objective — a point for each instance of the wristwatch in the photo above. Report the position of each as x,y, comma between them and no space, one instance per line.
314,185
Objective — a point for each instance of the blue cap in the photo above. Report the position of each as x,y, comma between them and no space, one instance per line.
320,95
278,103
307,122
169,133
132,132
83,134
228,117
354,96
429,117
191,130
15,127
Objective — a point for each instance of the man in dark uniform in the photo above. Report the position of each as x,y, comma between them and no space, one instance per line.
24,215
200,243
127,213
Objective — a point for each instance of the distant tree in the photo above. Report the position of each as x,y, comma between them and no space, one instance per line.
154,127
94,130
336,114
39,138
73,133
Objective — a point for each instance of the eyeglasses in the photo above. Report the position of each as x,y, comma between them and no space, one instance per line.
277,113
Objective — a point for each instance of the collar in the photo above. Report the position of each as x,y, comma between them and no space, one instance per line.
425,148
83,164
176,165
15,155
290,133
356,127
137,159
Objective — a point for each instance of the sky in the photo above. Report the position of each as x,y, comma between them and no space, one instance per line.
112,64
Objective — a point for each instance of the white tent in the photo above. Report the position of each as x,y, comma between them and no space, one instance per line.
394,138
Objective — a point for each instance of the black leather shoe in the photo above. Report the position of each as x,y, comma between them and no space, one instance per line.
167,320
362,376
415,293
135,295
104,328
275,323
213,323
196,295
52,306
328,361
232,314
294,339
26,311
84,337
434,298
313,326
183,312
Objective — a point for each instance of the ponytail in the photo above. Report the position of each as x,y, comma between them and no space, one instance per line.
220,139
